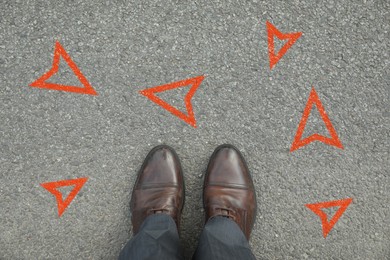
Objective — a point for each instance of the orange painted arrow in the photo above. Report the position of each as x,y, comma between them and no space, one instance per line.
272,32
189,118
328,225
61,203
60,52
334,140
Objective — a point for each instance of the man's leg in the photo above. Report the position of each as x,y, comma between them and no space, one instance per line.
229,200
222,238
157,238
156,204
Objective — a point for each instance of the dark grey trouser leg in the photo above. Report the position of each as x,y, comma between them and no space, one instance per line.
157,238
222,239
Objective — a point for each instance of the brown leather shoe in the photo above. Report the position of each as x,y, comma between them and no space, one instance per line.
228,188
159,188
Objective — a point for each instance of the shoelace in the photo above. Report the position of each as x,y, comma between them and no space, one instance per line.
227,213
159,211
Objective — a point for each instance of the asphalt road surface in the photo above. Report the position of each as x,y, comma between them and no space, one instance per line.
123,47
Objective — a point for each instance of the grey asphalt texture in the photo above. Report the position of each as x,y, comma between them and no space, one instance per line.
123,47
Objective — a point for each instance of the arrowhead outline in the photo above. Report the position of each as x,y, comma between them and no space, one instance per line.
328,225
189,118
52,188
59,52
333,141
273,31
